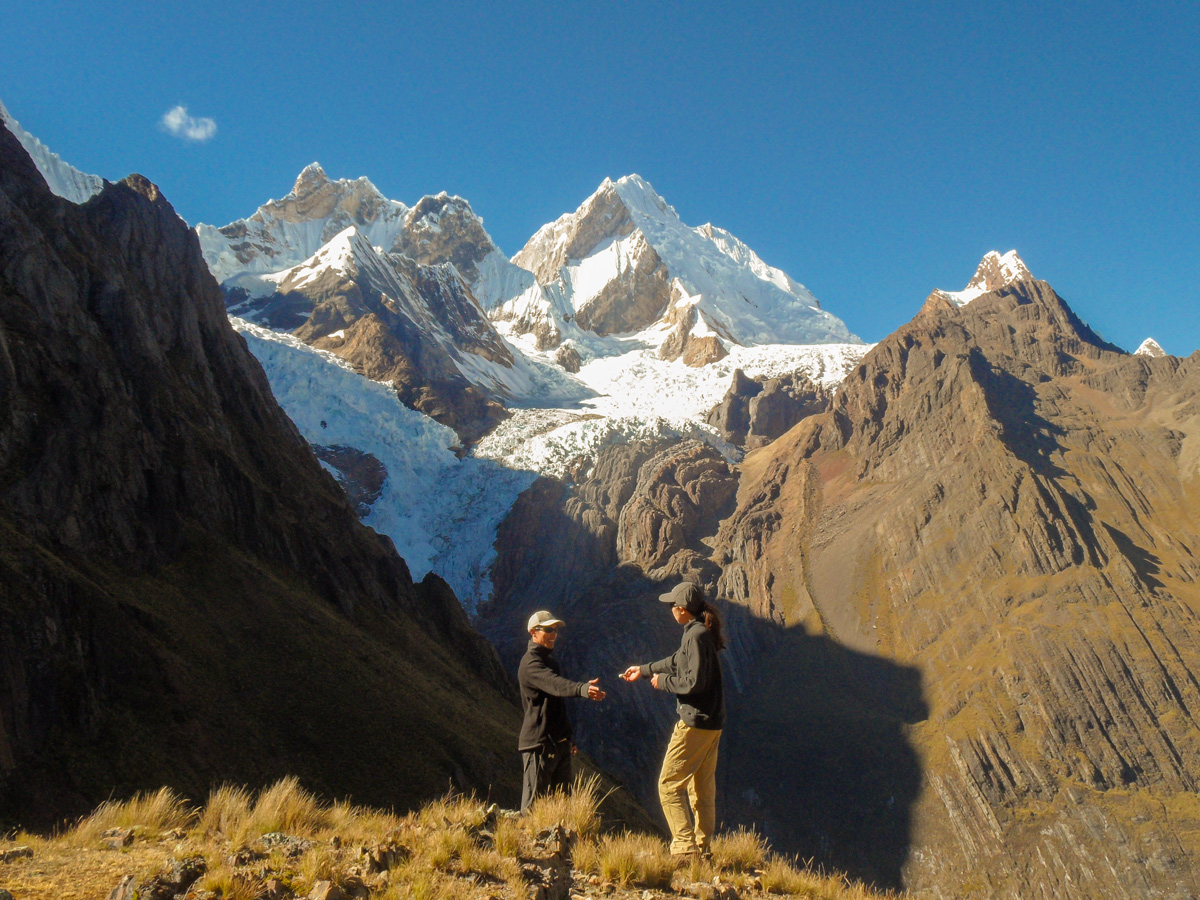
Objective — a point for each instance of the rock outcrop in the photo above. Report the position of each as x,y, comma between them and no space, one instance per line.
360,474
415,326
756,411
184,595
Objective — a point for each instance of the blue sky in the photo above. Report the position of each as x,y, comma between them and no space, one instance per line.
873,151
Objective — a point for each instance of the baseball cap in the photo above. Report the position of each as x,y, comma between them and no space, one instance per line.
542,619
687,595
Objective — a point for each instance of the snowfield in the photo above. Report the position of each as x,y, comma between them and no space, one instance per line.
440,511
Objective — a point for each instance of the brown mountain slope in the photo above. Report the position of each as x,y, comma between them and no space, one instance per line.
963,605
1008,505
185,597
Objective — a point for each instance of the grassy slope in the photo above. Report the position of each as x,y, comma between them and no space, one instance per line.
233,671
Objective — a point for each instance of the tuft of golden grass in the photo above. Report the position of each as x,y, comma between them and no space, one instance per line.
585,856
145,813
577,810
240,818
286,806
635,859
452,809
744,850
509,837
230,885
228,806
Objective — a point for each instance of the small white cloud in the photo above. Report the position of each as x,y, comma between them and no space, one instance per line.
176,121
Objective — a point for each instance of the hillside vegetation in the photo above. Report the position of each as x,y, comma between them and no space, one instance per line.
284,842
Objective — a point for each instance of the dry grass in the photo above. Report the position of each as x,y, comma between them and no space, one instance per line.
743,850
228,806
455,848
286,806
577,810
635,859
231,885
148,815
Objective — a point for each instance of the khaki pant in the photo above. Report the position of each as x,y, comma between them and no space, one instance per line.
689,773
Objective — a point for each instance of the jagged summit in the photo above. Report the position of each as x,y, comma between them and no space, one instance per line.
624,263
1150,347
63,179
283,233
995,271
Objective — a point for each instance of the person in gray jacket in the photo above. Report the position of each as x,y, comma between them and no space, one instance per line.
546,741
693,674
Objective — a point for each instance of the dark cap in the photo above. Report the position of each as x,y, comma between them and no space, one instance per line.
686,595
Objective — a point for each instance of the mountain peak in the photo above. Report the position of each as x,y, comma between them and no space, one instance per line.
995,271
309,179
1150,347
63,179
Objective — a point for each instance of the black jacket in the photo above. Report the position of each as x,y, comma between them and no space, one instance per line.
542,691
693,674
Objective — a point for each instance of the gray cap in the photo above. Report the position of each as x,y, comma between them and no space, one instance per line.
686,595
542,619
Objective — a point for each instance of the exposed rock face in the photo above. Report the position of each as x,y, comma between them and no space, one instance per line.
684,342
995,272
1005,502
444,229
284,233
179,581
756,411
568,357
360,474
602,217
394,320
625,263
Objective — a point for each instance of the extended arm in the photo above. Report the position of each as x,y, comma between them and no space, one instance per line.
539,675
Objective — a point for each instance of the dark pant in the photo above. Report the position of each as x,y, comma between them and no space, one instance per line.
544,770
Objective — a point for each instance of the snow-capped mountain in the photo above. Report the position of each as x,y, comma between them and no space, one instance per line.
624,263
64,180
283,233
994,272
415,326
1150,347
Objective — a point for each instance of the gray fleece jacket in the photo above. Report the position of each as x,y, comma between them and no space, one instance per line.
693,674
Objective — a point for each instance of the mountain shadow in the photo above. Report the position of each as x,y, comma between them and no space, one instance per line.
817,756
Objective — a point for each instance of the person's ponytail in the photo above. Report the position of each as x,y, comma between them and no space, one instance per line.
712,621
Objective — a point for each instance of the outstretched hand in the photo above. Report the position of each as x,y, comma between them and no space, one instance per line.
594,691
633,673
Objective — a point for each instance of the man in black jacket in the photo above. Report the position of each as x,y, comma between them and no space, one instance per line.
545,742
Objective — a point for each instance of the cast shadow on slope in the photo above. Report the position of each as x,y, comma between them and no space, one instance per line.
1013,403
817,755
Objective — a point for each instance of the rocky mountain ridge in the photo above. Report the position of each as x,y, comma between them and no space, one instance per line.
416,327
962,598
177,574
